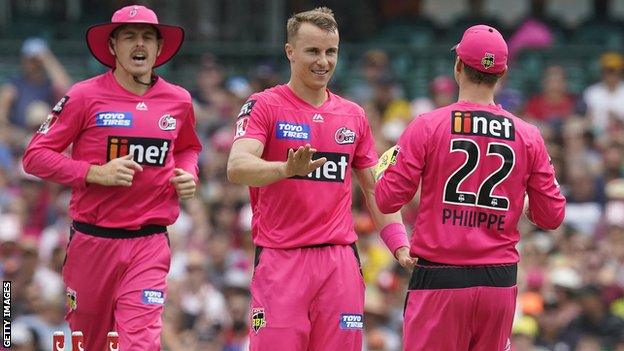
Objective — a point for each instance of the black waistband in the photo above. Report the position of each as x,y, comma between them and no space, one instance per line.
353,247
432,275
118,233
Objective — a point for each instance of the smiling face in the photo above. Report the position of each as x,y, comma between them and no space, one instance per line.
136,47
313,54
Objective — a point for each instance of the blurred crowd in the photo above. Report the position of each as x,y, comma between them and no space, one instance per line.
571,280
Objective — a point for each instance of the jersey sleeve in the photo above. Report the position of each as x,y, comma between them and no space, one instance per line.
399,182
44,156
253,120
188,146
546,204
365,153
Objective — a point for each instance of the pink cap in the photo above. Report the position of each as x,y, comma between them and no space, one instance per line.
483,48
97,35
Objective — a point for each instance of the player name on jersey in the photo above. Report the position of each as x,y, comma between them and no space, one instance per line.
474,219
482,123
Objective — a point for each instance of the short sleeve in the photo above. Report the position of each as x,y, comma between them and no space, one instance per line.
253,120
365,152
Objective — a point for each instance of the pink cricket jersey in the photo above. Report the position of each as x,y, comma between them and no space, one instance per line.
314,209
475,162
104,121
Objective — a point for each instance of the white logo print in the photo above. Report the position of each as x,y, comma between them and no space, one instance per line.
344,136
167,122
141,106
317,118
133,12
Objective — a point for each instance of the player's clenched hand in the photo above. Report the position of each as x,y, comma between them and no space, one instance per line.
300,161
116,172
404,258
184,183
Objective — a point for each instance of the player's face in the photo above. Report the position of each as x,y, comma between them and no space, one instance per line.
313,54
136,47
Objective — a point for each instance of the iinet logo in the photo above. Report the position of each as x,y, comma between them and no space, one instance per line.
482,123
145,151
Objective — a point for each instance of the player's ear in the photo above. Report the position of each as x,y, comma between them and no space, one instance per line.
290,51
160,45
111,46
458,65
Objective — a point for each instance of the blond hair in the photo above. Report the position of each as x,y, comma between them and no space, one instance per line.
321,17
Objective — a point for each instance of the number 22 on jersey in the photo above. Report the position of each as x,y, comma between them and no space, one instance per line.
481,197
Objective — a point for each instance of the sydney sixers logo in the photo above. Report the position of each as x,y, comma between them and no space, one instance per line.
344,136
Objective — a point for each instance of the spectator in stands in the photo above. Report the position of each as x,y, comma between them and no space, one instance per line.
595,321
554,103
42,79
605,99
442,91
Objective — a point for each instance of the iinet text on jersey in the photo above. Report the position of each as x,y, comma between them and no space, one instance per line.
482,123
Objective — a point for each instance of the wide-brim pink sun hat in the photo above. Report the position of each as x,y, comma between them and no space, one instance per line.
99,34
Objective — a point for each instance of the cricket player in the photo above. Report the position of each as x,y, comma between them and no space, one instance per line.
476,162
134,155
295,146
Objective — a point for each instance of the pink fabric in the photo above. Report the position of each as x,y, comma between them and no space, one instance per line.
466,231
310,299
394,236
309,210
116,283
480,42
98,35
468,319
82,120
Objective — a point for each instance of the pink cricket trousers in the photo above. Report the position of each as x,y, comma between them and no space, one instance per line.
459,308
307,299
117,284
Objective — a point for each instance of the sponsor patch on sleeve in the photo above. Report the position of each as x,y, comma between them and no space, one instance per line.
60,104
241,126
387,158
48,123
153,297
246,108
351,321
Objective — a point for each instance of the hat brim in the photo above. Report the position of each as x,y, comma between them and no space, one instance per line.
97,41
454,48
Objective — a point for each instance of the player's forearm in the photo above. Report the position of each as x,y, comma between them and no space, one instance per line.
247,169
380,219
187,160
54,166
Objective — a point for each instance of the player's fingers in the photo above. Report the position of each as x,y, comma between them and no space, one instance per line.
186,193
186,186
318,162
126,170
123,182
127,157
291,154
125,177
136,166
299,153
178,171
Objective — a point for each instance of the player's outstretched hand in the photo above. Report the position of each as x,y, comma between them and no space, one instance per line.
300,161
404,258
184,183
116,172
